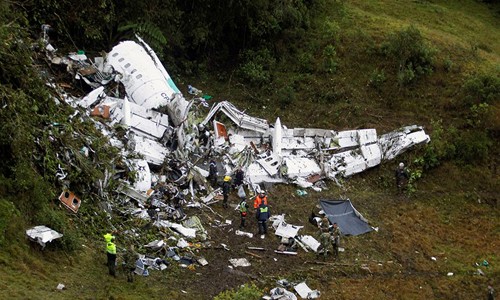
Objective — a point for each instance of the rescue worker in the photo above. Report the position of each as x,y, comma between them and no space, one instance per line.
243,207
239,176
212,173
226,187
260,198
111,253
401,177
324,236
336,239
129,263
263,215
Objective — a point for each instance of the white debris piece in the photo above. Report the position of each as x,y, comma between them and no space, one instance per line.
281,294
305,292
240,262
239,232
187,232
142,182
42,234
286,230
310,242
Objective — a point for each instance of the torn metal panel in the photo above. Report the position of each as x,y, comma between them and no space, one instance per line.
271,164
346,164
372,155
155,245
42,234
126,189
297,166
152,151
240,118
396,142
142,182
92,97
310,242
286,230
187,232
145,122
305,292
256,174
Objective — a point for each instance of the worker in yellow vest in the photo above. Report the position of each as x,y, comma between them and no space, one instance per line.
111,253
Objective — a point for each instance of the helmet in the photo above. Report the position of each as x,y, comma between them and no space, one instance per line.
401,165
262,192
227,178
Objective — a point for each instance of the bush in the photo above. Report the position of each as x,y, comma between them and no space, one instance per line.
330,59
377,79
7,214
413,57
256,66
286,96
245,292
482,88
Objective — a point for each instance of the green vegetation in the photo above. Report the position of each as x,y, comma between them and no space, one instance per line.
328,64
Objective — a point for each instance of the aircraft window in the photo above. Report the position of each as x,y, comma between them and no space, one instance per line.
127,65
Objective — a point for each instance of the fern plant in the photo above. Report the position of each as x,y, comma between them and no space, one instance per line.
151,33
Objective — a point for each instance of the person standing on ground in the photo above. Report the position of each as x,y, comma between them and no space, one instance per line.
263,215
401,177
212,173
111,253
260,198
129,260
336,233
324,236
239,176
226,187
243,207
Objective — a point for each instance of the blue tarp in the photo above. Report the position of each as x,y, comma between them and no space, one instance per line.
350,221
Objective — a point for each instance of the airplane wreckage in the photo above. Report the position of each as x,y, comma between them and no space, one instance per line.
268,153
131,87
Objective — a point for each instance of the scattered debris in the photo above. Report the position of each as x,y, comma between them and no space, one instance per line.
305,292
69,200
60,287
42,235
285,252
240,262
239,232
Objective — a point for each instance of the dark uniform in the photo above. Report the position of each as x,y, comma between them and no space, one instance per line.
263,214
401,177
212,173
324,236
129,263
226,188
336,233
